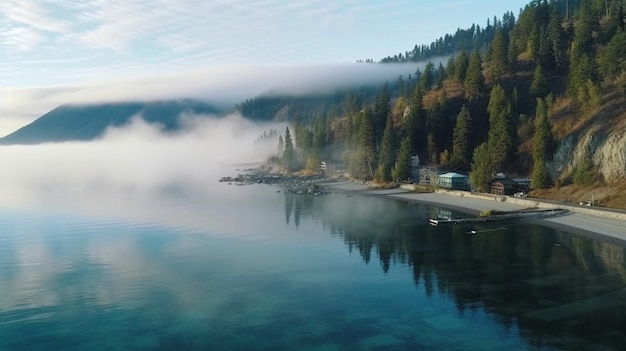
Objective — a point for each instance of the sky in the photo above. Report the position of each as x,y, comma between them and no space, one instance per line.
54,52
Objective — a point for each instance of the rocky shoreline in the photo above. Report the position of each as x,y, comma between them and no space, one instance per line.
293,183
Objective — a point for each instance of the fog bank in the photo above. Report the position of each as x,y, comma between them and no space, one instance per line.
135,160
222,86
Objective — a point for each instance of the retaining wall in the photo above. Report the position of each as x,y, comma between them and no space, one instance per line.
531,202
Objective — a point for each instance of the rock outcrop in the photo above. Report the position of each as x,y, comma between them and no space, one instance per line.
607,151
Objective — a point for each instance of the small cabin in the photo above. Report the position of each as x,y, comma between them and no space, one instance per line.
333,165
503,186
452,180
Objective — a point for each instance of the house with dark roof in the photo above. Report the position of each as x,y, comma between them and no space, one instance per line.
503,186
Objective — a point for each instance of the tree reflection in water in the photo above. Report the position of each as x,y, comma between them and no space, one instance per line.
561,290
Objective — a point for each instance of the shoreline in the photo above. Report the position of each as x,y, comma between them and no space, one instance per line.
608,227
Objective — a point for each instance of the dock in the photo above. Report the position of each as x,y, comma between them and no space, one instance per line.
501,216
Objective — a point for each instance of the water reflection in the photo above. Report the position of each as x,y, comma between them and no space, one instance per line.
265,270
562,290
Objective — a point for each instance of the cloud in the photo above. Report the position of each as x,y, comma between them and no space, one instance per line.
21,38
33,14
223,86
135,160
128,38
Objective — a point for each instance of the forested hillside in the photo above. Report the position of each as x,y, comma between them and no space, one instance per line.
525,96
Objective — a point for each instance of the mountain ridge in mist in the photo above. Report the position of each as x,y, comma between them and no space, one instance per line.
88,122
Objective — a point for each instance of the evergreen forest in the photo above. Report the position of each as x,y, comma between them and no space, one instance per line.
502,99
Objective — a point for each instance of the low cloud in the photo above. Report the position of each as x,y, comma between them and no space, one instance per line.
138,161
223,86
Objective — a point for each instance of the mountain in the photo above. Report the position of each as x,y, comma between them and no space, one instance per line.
87,122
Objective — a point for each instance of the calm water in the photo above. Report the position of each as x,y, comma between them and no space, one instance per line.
249,268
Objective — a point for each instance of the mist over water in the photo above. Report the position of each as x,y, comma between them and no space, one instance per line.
133,169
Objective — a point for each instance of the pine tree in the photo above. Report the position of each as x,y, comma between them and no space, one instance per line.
381,112
415,123
482,168
498,58
540,178
351,107
289,155
402,87
461,137
582,69
584,173
450,66
556,38
387,152
502,129
441,76
474,81
586,24
612,57
462,61
281,146
428,77
433,150
321,140
402,168
364,163
582,64
542,147
539,84
516,102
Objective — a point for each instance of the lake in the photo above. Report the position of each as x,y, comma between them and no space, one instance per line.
251,268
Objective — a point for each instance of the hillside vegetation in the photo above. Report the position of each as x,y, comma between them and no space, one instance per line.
540,95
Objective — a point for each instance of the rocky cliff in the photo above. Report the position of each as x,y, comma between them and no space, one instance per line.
606,148
600,134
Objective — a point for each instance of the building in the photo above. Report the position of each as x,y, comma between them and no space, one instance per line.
452,180
332,166
503,186
523,184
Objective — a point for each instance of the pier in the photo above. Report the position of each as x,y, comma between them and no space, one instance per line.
501,216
